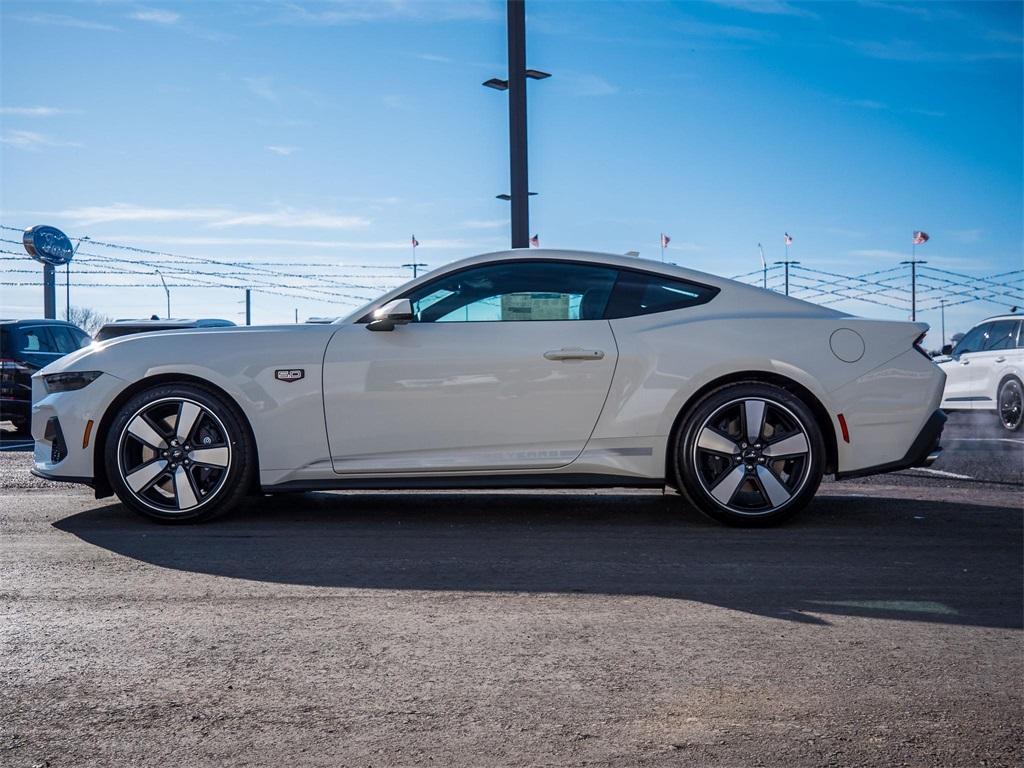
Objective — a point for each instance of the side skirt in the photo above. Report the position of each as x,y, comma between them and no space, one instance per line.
491,482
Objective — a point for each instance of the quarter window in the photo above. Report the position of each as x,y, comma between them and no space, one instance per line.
639,293
516,291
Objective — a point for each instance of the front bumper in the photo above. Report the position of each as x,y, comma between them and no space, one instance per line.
60,428
922,453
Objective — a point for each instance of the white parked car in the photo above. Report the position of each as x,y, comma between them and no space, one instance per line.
533,368
985,369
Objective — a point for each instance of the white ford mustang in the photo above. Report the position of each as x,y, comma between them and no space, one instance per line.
534,368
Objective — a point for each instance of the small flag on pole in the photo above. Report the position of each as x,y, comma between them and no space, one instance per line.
788,239
920,238
665,240
415,242
535,241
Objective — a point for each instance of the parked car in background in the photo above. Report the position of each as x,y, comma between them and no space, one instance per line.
25,347
127,327
985,370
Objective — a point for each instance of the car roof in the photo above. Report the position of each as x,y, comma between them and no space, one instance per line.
39,321
593,257
1007,316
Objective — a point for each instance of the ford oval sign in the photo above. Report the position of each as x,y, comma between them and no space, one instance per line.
48,245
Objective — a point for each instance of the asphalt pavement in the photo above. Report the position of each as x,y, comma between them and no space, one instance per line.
882,627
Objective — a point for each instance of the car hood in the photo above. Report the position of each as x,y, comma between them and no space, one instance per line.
201,346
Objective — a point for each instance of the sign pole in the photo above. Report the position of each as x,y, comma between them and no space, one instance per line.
49,292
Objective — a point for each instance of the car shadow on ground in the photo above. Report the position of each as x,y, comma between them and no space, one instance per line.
858,556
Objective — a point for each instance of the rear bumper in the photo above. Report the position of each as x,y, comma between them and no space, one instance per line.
922,453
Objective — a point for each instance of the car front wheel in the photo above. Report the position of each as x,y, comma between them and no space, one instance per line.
749,454
179,453
1011,404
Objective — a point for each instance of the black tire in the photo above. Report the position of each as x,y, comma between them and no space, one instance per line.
736,480
171,479
1010,404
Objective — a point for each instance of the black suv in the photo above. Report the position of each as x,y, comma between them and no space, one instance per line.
25,347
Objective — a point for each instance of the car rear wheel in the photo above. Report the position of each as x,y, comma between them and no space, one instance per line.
749,454
1011,404
179,453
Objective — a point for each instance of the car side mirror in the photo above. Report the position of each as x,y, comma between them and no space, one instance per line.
947,349
385,318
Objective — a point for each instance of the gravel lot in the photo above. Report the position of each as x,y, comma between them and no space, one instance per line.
615,628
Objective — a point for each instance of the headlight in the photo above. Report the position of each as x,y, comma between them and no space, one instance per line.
68,382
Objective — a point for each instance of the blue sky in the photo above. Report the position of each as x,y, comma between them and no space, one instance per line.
329,132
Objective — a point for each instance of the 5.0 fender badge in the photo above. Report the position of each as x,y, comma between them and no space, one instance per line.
289,374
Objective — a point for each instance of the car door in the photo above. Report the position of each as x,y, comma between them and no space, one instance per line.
505,366
961,380
996,357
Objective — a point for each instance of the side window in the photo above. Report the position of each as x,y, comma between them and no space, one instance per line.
1001,335
37,338
66,339
516,291
972,341
1020,334
639,293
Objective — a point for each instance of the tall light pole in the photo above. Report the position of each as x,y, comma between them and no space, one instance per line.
913,285
168,292
519,180
787,262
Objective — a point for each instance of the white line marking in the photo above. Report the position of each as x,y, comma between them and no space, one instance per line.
941,473
983,440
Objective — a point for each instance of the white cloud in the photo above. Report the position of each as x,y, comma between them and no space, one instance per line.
591,85
262,87
364,11
61,20
34,111
212,217
400,244
156,16
277,149
289,217
32,141
767,7
434,57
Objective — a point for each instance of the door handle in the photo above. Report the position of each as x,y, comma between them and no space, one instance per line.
1000,359
574,354
965,361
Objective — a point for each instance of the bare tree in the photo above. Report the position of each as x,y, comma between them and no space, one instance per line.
86,318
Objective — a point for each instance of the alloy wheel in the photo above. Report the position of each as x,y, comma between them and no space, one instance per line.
752,456
1011,404
174,455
